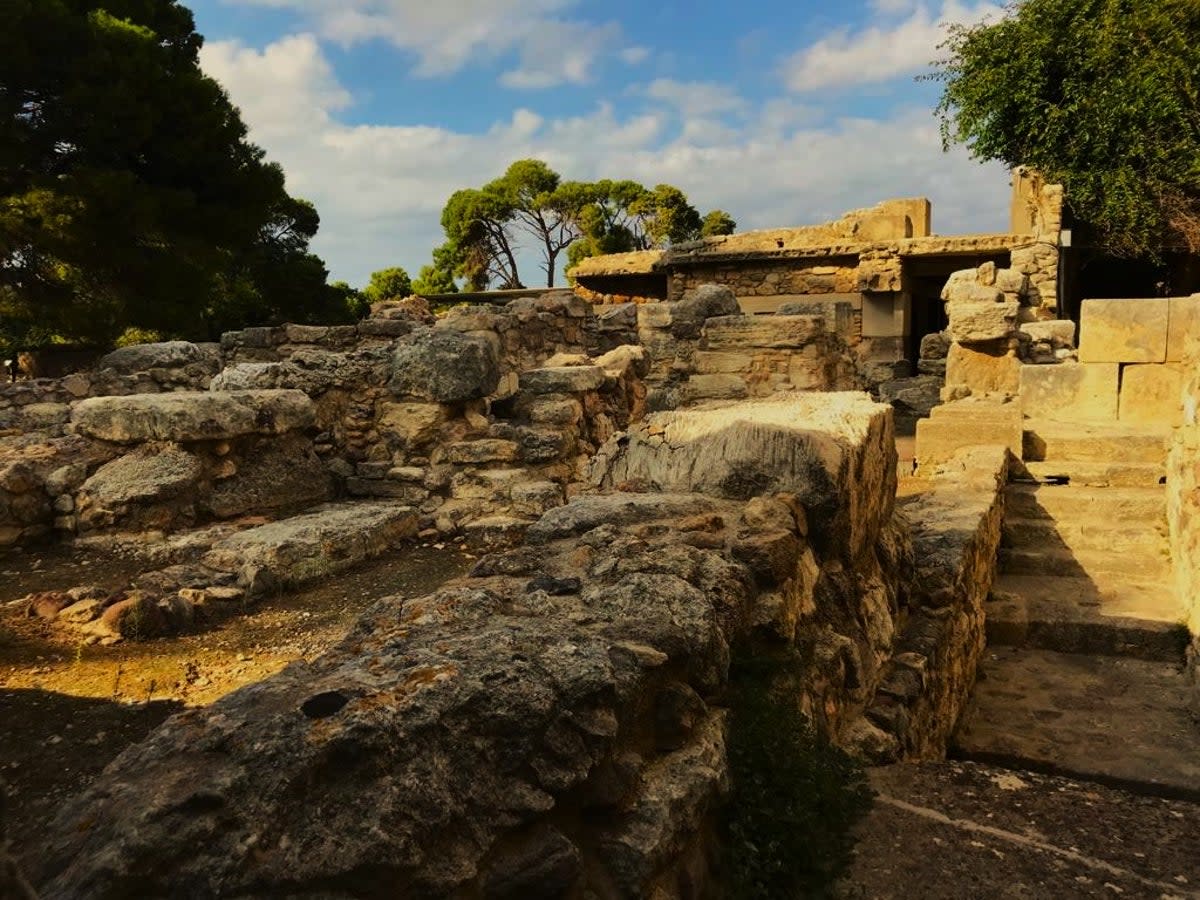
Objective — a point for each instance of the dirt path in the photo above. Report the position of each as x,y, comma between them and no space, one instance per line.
66,710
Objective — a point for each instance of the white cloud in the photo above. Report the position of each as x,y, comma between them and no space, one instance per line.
449,35
634,55
876,54
380,188
695,98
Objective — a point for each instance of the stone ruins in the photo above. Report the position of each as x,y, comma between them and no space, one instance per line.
676,462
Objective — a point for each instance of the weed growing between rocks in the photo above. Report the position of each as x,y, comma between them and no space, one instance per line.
794,798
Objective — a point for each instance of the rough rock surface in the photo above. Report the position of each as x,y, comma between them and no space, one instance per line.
166,355
446,366
192,416
833,451
150,477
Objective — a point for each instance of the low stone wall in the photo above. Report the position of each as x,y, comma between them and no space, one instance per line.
703,348
1183,501
550,725
43,404
770,277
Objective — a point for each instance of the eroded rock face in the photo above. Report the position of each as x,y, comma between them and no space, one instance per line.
192,415
166,355
151,485
446,366
833,451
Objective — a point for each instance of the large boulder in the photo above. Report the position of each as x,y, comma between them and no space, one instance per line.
166,355
153,486
834,451
698,305
446,366
192,415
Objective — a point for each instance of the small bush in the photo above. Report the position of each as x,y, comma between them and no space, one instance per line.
795,797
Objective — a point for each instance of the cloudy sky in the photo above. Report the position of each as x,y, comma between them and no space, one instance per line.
782,112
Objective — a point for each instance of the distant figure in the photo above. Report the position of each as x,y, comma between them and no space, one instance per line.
11,369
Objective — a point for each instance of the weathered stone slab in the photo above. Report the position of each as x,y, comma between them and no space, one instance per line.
973,422
166,355
1059,333
1124,331
192,415
834,451
990,317
414,423
1070,392
983,369
1183,324
562,380
1152,394
743,332
319,543
444,365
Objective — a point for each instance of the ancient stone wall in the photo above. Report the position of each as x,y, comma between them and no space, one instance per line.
1183,498
769,277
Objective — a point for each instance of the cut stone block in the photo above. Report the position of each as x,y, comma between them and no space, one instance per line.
834,451
983,370
1070,392
192,415
737,332
879,316
1124,331
562,380
978,321
973,422
1152,395
1183,322
1056,332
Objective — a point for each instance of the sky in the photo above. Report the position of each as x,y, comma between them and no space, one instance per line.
781,112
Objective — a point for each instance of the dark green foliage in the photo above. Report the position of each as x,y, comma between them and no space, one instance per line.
716,223
129,195
388,284
483,226
1100,95
795,797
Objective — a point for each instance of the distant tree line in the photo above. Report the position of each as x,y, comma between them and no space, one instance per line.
530,202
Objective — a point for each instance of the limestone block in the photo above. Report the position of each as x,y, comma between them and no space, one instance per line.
709,362
983,369
484,451
1124,331
716,387
192,415
143,357
879,317
989,315
654,315
1070,392
834,451
741,332
973,422
1183,323
1059,333
562,379
413,423
1152,395
446,366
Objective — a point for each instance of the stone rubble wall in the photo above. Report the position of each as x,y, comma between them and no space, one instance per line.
703,348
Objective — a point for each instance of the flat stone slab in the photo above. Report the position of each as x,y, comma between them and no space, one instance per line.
1153,394
323,541
1114,720
950,830
1111,617
1183,324
192,415
1071,392
562,379
1048,440
1123,331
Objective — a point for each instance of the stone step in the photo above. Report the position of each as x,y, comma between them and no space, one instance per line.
1114,720
1076,504
1070,441
1078,615
1020,533
1095,474
1148,565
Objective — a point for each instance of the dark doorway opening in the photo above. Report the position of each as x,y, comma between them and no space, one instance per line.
924,278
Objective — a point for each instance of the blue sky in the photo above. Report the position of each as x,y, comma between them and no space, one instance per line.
782,113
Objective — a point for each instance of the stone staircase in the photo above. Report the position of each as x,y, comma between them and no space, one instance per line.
1083,671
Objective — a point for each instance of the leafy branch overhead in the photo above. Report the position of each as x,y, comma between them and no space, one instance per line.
129,193
1099,95
531,206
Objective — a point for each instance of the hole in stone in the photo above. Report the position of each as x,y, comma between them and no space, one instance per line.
323,705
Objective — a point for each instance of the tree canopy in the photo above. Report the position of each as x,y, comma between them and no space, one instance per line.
485,226
388,284
129,193
1100,95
